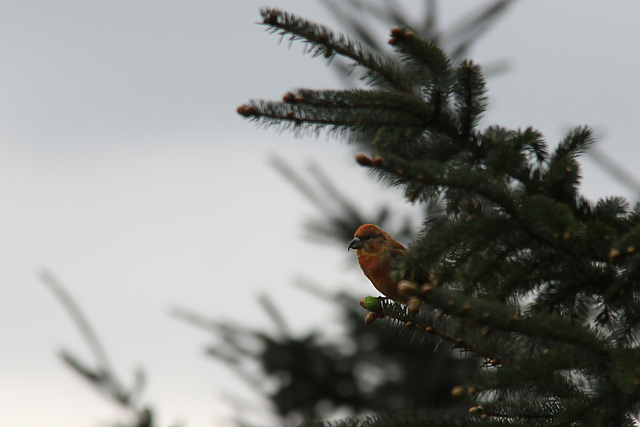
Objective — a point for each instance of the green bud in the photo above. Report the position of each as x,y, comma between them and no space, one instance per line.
372,304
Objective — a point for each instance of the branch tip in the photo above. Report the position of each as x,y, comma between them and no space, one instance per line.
364,160
398,34
246,110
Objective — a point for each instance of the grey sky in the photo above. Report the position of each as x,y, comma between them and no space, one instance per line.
119,139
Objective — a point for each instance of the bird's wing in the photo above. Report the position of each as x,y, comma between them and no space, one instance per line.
396,249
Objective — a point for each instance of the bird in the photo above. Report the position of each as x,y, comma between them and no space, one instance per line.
376,250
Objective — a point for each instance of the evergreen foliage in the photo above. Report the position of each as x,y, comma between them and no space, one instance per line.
517,267
360,18
370,368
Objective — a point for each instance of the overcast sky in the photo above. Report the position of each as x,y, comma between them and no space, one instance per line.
128,174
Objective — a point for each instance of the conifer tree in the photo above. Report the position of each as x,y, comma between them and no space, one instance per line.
516,268
310,375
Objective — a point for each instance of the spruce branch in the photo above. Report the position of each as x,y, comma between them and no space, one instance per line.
576,143
432,418
434,177
495,316
500,317
300,116
386,101
455,341
379,70
427,63
538,372
542,409
436,324
469,94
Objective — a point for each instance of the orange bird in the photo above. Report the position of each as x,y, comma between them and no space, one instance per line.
376,250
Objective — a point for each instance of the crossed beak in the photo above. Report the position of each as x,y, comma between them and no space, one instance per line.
355,244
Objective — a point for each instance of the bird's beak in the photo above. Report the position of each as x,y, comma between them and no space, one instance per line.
355,244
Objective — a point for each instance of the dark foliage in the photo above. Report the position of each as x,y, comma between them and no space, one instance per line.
370,368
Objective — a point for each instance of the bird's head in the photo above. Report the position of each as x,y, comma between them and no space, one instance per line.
369,239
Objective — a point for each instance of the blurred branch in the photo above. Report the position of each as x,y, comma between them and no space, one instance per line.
356,17
339,217
239,345
275,315
461,36
102,377
79,319
614,169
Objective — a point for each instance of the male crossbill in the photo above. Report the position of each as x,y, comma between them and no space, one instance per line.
376,250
